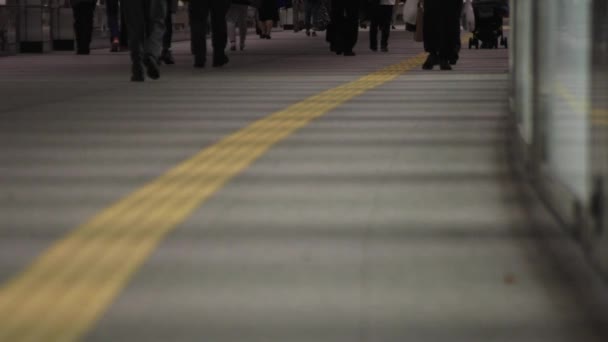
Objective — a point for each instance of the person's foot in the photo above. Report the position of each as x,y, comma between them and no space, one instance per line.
308,33
444,64
83,52
167,57
268,36
152,67
393,27
454,60
199,62
349,53
220,60
384,49
242,47
430,62
374,48
137,73
232,47
314,33
115,45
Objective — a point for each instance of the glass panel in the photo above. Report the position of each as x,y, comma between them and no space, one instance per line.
566,47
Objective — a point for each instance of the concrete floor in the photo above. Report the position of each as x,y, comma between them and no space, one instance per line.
395,217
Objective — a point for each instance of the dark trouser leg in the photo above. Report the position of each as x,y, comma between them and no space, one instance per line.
134,11
351,25
431,35
449,28
124,29
113,14
373,28
386,17
219,30
168,36
199,11
155,27
308,15
337,21
83,25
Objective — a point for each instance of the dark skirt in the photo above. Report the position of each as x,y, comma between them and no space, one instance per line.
268,10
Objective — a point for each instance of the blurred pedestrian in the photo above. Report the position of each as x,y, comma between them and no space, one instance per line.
268,14
146,23
380,19
237,18
83,11
345,26
441,27
200,11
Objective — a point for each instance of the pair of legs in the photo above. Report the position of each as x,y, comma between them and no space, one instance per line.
83,25
345,22
441,32
146,23
199,12
117,25
265,28
237,17
297,6
311,8
380,20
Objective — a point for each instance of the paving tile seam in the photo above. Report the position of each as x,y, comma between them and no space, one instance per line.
37,305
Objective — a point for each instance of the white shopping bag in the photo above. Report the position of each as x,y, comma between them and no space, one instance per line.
410,10
469,16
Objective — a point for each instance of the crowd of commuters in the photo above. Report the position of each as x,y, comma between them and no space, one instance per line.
145,27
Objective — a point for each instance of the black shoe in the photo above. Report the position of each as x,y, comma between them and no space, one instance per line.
167,57
453,60
373,48
444,64
308,33
384,49
339,52
430,62
83,52
137,73
314,33
349,53
152,68
115,47
220,60
393,27
199,62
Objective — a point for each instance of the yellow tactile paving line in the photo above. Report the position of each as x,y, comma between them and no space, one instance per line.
61,295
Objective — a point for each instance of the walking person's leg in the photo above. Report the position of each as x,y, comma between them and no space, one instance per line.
242,24
351,27
385,14
231,23
373,27
113,15
136,24
88,17
199,12
431,35
166,55
219,35
156,12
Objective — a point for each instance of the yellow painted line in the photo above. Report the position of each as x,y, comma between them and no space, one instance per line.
66,289
598,116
